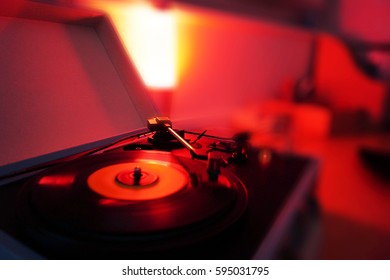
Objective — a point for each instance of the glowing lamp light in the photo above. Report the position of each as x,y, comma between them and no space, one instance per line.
149,34
152,40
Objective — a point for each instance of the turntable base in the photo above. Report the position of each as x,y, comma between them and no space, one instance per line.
87,208
250,212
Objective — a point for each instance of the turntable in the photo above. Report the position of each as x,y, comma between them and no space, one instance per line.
153,193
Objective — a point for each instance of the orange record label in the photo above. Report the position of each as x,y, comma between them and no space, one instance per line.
156,180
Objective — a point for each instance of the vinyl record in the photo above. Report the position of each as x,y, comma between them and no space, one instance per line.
136,200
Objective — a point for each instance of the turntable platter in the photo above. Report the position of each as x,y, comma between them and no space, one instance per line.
132,198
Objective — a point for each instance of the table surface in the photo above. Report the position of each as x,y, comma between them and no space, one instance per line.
355,203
